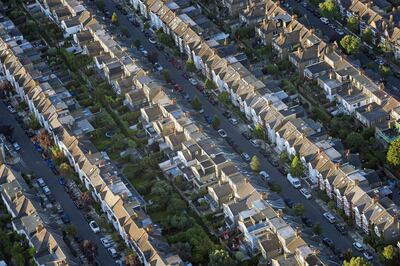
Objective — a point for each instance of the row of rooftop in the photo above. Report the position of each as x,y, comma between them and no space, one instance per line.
359,199
342,181
50,104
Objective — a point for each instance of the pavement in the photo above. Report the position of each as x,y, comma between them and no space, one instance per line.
34,163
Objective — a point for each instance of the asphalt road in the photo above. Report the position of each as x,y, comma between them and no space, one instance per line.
39,168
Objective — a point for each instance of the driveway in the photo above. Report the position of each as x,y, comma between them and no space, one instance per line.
34,163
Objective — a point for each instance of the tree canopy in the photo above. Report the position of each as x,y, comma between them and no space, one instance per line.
220,257
355,261
353,24
367,36
190,65
114,18
296,167
255,164
393,154
329,9
215,122
196,104
350,44
389,253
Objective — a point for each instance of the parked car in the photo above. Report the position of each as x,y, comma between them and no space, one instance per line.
113,252
245,157
324,20
358,246
290,203
264,175
264,153
328,242
233,121
78,204
106,241
306,193
158,67
246,135
152,40
40,182
61,181
368,256
16,146
208,119
193,81
11,109
255,143
222,133
329,216
46,190
275,163
341,228
227,114
307,221
294,181
65,218
95,228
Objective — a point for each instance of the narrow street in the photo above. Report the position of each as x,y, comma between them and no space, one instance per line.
36,165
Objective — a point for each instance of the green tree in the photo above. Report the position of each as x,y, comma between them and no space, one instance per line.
176,205
259,132
355,261
70,229
385,47
355,141
298,209
220,257
296,167
137,43
209,85
317,229
114,18
224,97
215,122
100,4
353,24
255,164
389,253
385,71
329,9
196,103
190,65
350,44
166,75
367,36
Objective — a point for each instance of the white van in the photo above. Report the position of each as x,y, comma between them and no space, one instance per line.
294,181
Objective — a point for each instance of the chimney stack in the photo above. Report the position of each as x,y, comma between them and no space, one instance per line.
39,228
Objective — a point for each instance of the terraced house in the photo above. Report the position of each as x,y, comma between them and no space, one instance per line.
325,163
52,105
31,220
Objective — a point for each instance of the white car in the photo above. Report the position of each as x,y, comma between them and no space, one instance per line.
193,81
255,143
151,40
368,256
41,182
358,246
11,109
245,157
305,193
201,111
339,31
113,252
222,133
233,121
107,242
324,20
46,190
294,181
329,216
95,228
264,175
16,146
158,67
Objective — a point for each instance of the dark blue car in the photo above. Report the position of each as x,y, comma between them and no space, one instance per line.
208,119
